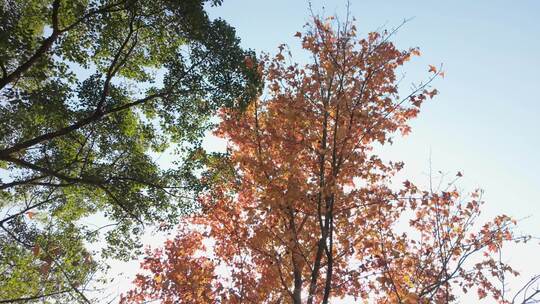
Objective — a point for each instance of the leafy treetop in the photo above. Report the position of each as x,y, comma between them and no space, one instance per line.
309,212
89,90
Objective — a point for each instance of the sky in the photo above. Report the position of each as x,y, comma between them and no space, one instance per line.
485,121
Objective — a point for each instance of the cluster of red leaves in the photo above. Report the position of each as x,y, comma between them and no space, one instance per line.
177,274
311,213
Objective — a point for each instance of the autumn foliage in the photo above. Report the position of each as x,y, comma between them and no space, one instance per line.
312,213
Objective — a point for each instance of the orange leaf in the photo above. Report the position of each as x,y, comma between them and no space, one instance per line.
44,269
248,61
416,52
36,250
432,68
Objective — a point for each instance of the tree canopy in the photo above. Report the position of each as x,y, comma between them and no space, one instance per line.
309,211
90,90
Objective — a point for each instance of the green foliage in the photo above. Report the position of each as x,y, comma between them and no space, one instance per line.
89,90
57,264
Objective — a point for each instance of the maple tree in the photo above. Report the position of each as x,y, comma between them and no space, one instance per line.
307,211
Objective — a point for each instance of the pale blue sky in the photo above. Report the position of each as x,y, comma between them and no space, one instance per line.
485,122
